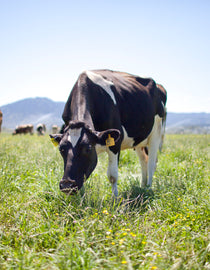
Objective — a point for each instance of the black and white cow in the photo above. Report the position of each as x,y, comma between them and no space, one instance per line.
41,129
110,111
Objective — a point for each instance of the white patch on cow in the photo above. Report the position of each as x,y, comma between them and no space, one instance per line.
74,135
112,171
105,84
127,141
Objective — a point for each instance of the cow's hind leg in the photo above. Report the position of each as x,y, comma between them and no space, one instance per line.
112,171
143,158
153,146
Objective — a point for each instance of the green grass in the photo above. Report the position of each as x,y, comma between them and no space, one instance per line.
163,228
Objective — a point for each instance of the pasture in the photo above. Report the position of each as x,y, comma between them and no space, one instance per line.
163,228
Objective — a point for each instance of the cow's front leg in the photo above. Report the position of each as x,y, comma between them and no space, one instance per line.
112,171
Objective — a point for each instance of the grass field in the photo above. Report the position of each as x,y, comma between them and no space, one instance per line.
163,228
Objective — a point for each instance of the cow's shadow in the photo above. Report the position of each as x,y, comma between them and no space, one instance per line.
132,198
136,198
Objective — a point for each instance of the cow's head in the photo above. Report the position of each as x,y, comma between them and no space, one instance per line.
77,146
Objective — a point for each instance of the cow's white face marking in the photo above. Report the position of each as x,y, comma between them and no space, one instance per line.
74,135
105,84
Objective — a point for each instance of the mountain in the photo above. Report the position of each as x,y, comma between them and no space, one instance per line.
33,111
188,123
43,110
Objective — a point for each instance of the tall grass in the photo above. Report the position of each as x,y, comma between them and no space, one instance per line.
163,228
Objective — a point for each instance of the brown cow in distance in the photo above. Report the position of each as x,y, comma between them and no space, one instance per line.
23,129
1,117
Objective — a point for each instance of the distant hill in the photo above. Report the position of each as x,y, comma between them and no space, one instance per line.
188,123
34,111
43,110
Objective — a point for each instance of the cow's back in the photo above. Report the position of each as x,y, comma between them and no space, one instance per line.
138,101
115,100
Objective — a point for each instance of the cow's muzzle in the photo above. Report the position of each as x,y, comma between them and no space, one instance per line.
68,186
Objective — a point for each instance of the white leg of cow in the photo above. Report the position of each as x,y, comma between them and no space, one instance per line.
153,146
112,171
143,158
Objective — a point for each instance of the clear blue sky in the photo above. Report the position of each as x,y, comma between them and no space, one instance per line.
45,44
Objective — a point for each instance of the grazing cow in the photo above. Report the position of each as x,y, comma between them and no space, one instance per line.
23,129
41,129
110,111
1,118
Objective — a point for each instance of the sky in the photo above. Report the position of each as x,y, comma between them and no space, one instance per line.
46,44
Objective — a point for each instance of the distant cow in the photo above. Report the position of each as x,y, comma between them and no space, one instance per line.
1,119
110,111
41,129
55,129
23,129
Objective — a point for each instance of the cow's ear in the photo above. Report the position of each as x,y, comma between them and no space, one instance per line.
108,137
55,139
